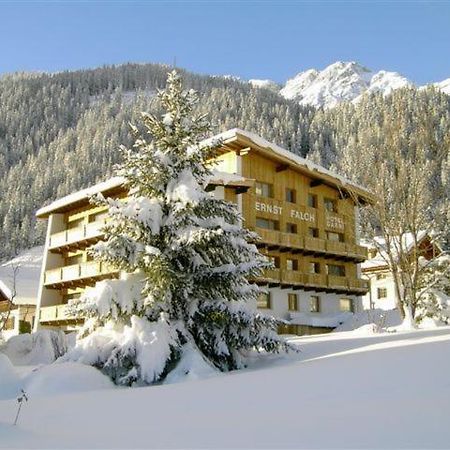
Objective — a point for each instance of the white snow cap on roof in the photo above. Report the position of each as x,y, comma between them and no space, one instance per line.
296,159
380,258
28,274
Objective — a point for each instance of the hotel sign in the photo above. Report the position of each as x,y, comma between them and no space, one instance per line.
278,210
335,222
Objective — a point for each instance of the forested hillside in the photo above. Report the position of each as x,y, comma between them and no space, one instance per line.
60,132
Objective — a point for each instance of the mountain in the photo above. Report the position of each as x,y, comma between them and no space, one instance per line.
341,81
444,86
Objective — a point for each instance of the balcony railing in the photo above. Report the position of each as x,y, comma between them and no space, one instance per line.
291,240
315,244
55,313
314,280
77,272
270,237
337,248
337,282
66,238
359,284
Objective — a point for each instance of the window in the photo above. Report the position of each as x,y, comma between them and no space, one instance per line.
336,237
291,195
313,232
267,224
314,303
292,302
314,267
346,305
330,204
382,292
263,301
291,228
312,200
381,276
292,264
264,189
275,260
336,270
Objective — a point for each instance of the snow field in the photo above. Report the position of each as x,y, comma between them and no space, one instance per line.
344,390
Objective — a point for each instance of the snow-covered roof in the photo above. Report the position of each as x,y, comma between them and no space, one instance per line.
379,260
28,273
224,178
79,196
218,178
327,320
297,161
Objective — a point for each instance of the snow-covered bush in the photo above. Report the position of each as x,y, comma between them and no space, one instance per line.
189,255
42,347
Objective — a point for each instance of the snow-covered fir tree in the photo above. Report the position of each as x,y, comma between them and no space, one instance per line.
190,259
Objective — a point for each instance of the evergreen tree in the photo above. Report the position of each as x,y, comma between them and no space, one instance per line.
187,248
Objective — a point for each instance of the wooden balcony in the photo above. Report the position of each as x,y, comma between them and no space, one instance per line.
270,238
314,245
77,238
292,278
56,314
357,252
314,279
291,241
359,285
337,248
336,282
79,274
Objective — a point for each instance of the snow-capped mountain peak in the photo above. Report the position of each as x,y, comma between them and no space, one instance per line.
341,81
444,86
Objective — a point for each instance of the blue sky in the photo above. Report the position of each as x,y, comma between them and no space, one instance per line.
251,39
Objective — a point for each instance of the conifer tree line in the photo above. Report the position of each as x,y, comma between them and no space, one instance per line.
61,132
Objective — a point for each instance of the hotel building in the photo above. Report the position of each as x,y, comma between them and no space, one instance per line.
305,215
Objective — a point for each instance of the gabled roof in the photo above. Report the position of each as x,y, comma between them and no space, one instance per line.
115,184
294,161
379,260
232,140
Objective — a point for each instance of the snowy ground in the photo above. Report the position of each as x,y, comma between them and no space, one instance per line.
345,390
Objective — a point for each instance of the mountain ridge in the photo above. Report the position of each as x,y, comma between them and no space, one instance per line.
341,82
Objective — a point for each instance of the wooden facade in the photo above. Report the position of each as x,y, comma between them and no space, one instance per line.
306,219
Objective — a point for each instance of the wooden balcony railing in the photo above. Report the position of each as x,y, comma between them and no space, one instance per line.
329,283
359,284
76,272
314,279
315,244
337,248
337,282
292,240
66,238
55,313
269,237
